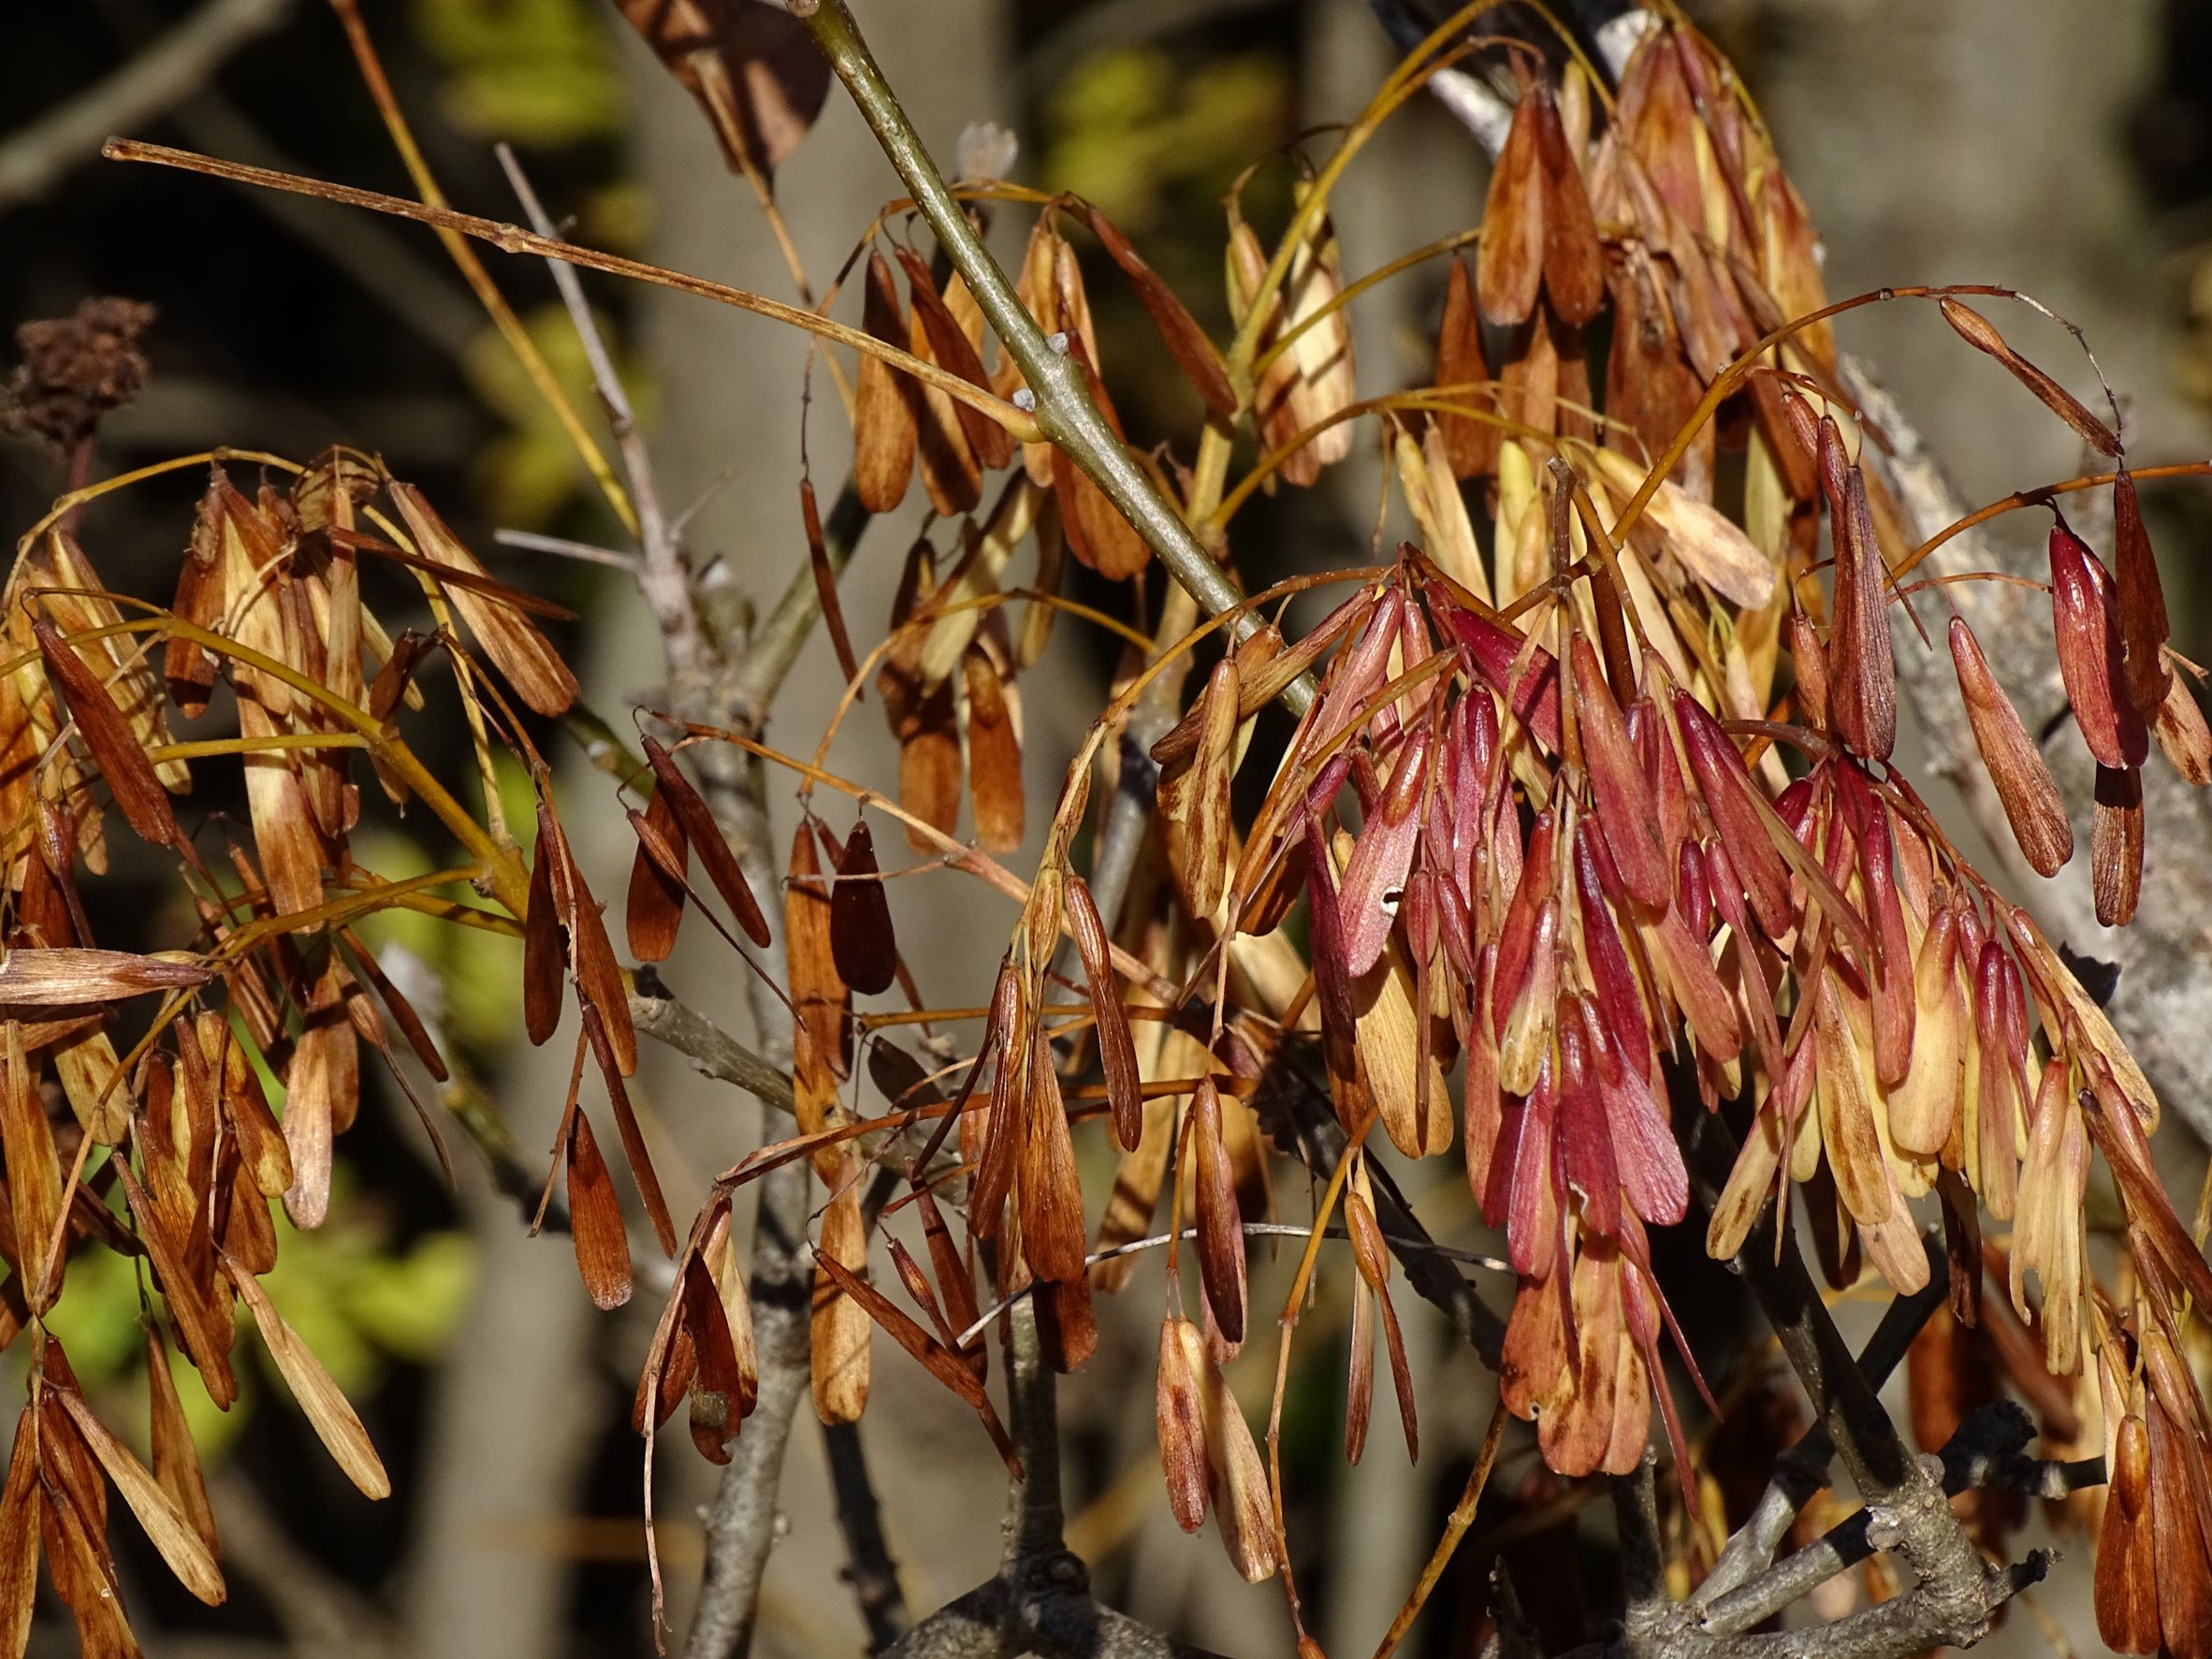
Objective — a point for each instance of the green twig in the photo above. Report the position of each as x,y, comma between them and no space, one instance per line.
1064,410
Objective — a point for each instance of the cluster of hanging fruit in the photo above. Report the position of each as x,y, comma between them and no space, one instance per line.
1596,822
1590,814
157,1137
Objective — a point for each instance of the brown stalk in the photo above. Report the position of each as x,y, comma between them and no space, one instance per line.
513,239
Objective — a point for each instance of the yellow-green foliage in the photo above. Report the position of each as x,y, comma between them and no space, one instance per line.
1126,128
531,71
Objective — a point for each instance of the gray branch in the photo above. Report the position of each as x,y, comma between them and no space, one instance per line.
1803,1470
1643,1554
662,574
709,683
741,1522
174,68
1985,1452
712,1051
715,680
1909,1623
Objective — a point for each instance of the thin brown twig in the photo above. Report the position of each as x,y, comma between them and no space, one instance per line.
1455,1529
472,268
513,239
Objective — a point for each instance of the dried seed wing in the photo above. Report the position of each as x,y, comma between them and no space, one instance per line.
1117,1052
1978,332
707,839
1097,534
507,635
1471,443
654,906
994,752
171,1531
2116,844
883,421
33,1176
1179,1407
861,941
1220,1227
954,351
2183,734
1621,796
1574,261
20,1519
1048,1188
1862,670
175,1459
1193,351
109,736
2016,766
326,1409
544,946
595,1219
841,1325
2141,600
2090,653
1509,256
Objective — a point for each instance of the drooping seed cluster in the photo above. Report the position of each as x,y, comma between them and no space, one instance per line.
1590,824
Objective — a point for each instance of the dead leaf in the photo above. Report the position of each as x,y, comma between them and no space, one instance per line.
752,65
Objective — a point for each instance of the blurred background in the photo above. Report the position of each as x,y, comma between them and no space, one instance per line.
1982,140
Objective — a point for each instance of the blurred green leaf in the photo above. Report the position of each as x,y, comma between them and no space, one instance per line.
527,475
411,1303
537,72
1129,129
98,1320
478,973
358,1302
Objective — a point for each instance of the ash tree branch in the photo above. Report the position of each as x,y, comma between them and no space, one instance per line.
1985,1452
1034,1519
741,1525
1643,1555
712,1051
1907,1508
1039,1600
741,1522
715,680
710,682
1906,1624
870,1570
1065,412
661,572
1803,1470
